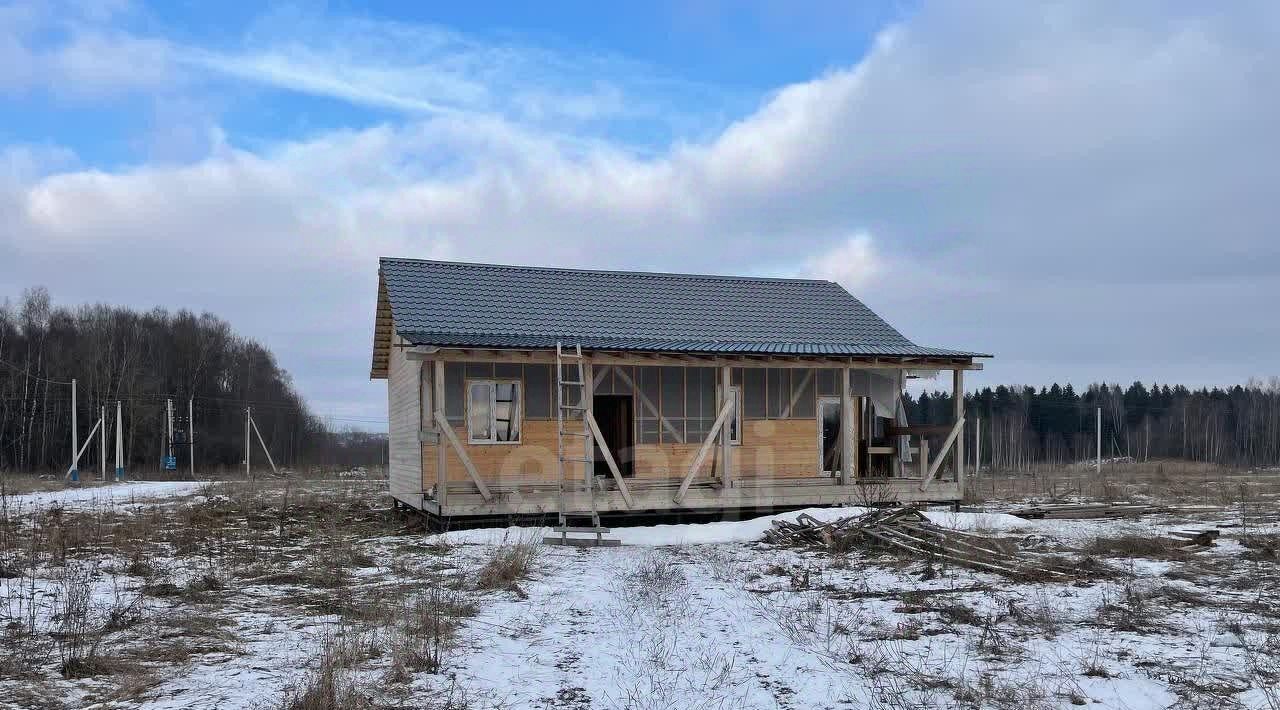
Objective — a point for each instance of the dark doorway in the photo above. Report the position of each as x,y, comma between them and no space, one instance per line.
829,438
613,414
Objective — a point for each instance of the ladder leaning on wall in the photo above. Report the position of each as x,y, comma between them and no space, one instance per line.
574,446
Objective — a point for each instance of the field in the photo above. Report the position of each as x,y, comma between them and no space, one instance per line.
315,594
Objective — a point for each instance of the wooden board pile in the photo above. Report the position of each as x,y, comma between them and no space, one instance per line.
904,530
1084,511
1194,539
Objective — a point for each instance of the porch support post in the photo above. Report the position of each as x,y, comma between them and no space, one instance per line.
442,456
588,442
957,396
855,430
726,452
846,428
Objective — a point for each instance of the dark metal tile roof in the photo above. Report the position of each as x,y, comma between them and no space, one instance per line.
488,306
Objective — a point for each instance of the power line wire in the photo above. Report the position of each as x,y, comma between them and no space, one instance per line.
27,373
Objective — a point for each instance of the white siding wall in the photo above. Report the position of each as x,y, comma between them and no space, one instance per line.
404,413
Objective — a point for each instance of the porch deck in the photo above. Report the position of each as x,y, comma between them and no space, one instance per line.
655,496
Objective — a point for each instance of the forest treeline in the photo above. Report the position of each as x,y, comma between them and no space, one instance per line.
1021,426
141,359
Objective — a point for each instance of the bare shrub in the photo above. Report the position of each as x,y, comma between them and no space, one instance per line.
1129,610
328,686
77,636
1133,546
655,584
1039,611
508,563
1262,662
428,634
1261,547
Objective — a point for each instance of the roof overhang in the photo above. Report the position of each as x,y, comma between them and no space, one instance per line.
630,357
383,327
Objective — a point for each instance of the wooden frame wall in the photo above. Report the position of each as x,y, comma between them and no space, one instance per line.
722,463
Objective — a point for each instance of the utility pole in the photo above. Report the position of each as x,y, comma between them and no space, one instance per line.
102,446
169,428
247,416
119,444
191,434
1098,468
75,442
265,450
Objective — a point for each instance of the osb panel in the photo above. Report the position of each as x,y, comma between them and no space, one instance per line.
671,460
533,457
770,448
777,447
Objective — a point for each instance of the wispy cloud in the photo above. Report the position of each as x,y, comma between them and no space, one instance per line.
427,69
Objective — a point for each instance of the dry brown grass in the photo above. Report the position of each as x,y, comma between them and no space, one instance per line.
509,562
1141,546
1167,481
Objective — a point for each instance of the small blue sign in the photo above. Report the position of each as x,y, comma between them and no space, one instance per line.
171,463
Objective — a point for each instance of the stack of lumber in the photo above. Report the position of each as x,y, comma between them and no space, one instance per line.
1081,511
904,530
1194,539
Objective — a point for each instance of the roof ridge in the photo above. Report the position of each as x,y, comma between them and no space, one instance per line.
622,272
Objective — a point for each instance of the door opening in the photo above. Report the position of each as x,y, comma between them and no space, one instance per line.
829,445
613,415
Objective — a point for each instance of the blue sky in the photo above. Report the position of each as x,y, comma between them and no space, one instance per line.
692,67
1066,184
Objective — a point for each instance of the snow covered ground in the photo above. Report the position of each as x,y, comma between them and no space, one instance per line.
125,493
700,616
231,598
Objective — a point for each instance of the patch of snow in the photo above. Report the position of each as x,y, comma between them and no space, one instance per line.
730,530
130,492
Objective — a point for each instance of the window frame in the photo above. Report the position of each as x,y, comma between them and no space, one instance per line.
517,411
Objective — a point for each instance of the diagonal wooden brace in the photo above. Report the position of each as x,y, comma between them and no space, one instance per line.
608,458
942,453
721,421
447,428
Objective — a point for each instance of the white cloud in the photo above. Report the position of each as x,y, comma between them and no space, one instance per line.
1071,186
852,264
71,50
429,70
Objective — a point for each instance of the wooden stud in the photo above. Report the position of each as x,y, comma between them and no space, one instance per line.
855,433
588,445
846,428
648,404
442,454
957,396
726,451
799,390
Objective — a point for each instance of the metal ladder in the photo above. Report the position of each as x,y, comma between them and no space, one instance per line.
571,409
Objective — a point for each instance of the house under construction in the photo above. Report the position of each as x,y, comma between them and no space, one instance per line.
517,391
